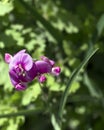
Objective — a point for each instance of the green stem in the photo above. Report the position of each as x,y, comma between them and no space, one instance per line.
91,52
21,113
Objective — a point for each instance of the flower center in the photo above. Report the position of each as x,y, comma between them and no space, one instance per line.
19,70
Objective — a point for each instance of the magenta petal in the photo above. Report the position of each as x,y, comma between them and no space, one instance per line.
56,71
44,58
8,58
23,59
15,61
42,78
27,61
20,87
43,67
52,62
32,73
14,78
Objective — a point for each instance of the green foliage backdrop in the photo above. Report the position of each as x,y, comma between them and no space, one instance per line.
63,30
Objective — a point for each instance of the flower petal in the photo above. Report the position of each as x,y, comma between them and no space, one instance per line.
13,77
15,61
20,86
46,59
42,78
23,59
32,73
56,71
52,62
16,82
8,58
27,61
43,67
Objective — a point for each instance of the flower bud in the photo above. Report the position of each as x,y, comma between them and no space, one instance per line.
56,71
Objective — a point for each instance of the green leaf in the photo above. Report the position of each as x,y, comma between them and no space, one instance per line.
53,85
54,123
74,87
100,25
15,126
73,77
5,8
94,91
31,94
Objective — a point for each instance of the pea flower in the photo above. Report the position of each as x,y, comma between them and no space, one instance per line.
54,70
42,78
23,69
46,65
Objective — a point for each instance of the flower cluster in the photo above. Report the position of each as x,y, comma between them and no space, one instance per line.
23,69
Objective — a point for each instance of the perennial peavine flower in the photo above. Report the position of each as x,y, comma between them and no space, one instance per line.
56,71
23,69
42,78
45,65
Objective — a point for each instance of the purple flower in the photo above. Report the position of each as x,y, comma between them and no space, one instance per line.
8,58
22,69
51,62
43,67
56,71
42,78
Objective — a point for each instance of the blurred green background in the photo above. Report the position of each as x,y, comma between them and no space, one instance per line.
62,30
